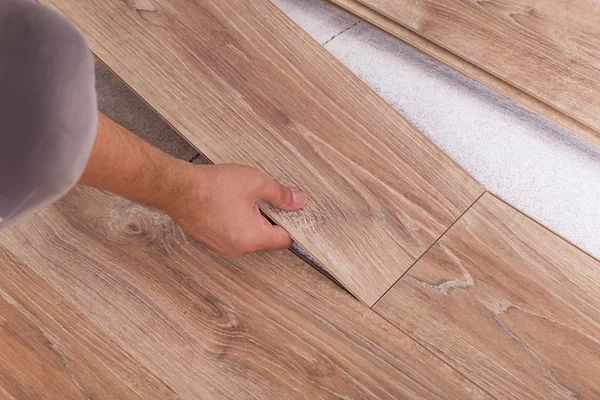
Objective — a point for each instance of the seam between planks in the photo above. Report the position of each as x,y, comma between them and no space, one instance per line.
410,336
429,248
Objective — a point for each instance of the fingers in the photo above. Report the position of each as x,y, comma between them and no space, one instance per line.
265,237
271,237
276,238
259,234
281,196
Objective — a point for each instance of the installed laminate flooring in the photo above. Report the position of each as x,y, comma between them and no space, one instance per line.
508,304
468,69
547,48
103,298
50,350
243,83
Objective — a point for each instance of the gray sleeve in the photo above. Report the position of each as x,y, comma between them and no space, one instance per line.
48,110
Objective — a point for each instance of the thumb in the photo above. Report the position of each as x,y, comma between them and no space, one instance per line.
282,196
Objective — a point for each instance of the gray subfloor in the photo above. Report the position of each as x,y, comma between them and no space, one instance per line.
117,101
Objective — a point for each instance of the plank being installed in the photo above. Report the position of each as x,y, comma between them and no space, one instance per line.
546,48
504,301
244,84
472,71
98,293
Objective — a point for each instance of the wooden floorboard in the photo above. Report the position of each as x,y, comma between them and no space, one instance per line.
265,326
548,49
506,302
469,69
50,350
244,84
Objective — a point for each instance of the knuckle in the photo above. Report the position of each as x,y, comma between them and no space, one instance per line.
285,194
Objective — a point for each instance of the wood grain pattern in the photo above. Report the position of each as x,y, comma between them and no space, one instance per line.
49,350
469,69
507,303
266,326
546,48
244,84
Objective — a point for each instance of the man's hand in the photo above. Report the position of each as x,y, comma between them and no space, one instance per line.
216,204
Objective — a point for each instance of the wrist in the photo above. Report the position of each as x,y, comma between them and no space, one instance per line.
172,180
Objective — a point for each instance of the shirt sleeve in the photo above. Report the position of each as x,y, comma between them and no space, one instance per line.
48,108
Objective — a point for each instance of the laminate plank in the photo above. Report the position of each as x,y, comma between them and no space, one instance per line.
49,350
244,84
472,71
265,326
507,303
546,48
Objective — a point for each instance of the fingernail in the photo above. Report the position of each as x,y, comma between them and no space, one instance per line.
299,197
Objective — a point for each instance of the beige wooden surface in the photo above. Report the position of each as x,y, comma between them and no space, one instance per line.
472,71
50,350
244,84
507,303
101,296
547,48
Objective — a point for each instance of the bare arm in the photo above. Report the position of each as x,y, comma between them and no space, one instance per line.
125,164
214,203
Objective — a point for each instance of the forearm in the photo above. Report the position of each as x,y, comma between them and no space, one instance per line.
125,164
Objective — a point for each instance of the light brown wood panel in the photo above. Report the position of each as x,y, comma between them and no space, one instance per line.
469,69
244,84
506,302
265,326
49,350
546,48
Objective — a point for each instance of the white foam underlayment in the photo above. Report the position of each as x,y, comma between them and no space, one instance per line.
543,170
